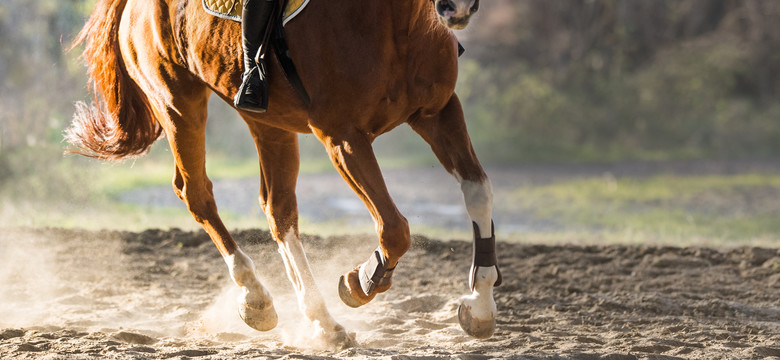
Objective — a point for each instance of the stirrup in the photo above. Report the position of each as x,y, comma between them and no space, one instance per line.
252,95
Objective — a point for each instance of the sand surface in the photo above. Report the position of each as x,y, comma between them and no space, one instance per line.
68,294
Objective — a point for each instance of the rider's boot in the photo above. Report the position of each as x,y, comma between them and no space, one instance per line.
253,93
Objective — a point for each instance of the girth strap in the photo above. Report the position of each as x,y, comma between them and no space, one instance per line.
484,254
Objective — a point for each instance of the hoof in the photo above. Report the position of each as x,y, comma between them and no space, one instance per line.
258,319
261,317
350,291
480,328
336,340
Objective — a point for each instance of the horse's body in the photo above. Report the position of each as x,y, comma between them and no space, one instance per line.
368,67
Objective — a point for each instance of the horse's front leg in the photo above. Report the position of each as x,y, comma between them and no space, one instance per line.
351,153
449,139
279,162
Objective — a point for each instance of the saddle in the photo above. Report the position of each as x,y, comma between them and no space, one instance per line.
231,10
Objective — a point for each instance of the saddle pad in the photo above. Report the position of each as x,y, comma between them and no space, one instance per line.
231,9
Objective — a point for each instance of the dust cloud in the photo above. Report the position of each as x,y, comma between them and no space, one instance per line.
87,284
110,282
28,282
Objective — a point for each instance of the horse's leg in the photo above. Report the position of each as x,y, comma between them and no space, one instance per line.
186,135
351,153
279,163
446,133
183,117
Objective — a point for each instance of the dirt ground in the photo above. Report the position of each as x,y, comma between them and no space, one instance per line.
69,294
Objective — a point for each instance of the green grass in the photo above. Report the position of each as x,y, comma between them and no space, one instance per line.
706,209
115,178
83,193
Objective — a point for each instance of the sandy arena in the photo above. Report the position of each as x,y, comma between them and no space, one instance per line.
68,294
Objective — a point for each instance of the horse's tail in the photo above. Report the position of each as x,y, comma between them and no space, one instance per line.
119,123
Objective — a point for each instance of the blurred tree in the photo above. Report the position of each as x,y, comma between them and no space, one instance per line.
40,80
541,80
625,79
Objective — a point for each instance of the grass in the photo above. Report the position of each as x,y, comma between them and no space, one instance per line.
712,210
706,209
157,169
45,189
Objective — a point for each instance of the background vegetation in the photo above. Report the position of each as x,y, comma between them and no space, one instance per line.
572,81
622,80
541,80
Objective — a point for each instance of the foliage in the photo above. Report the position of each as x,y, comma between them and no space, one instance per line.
40,78
541,80
623,80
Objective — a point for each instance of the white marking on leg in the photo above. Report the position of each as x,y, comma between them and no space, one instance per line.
481,300
242,269
255,304
482,277
479,203
486,277
310,299
477,313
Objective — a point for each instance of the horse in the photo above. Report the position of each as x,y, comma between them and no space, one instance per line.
367,66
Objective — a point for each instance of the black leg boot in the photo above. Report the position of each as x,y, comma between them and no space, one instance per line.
253,93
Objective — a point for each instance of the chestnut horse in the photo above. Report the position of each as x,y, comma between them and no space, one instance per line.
368,67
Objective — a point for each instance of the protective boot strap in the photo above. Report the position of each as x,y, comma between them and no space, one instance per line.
374,272
484,254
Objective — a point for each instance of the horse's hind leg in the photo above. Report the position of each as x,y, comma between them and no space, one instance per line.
179,101
447,135
184,121
279,162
